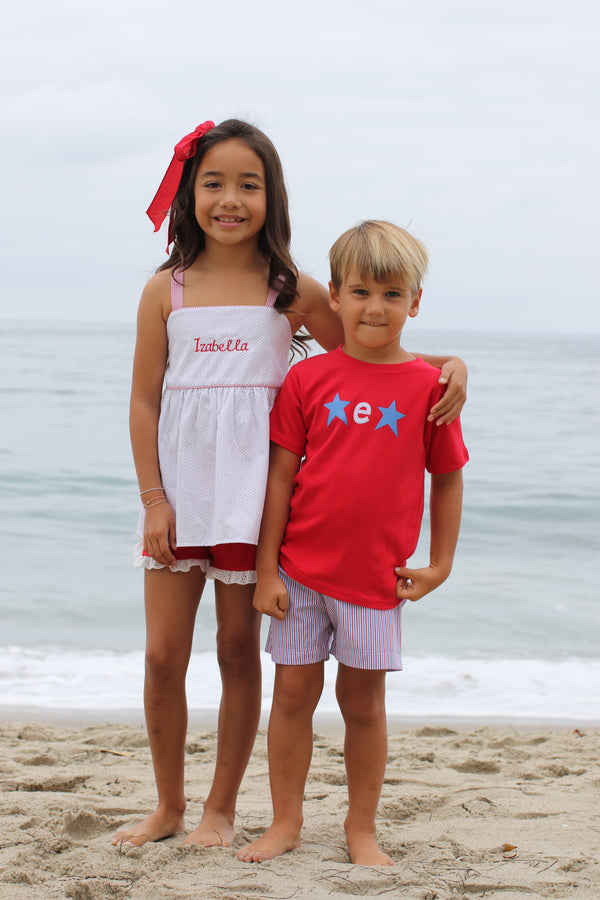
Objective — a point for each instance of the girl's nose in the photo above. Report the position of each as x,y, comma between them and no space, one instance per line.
230,198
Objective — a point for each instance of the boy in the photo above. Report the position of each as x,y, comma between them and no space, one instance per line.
350,444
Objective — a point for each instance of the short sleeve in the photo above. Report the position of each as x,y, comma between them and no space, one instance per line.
287,424
445,448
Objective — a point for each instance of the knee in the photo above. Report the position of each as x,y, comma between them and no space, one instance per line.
361,707
164,666
238,658
296,694
293,706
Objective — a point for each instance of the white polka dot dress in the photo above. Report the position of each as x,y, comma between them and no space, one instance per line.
225,367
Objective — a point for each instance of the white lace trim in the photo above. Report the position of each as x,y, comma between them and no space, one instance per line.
248,577
184,565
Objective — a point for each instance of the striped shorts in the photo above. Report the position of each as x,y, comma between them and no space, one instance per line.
316,625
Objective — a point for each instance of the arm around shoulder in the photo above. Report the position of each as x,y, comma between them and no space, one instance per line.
454,374
316,315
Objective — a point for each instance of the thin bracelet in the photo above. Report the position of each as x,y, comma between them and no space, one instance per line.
154,502
147,491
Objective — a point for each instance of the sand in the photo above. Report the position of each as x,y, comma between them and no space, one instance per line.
501,812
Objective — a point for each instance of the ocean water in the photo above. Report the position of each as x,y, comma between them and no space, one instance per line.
514,633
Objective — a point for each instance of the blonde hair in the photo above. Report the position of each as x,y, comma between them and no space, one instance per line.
381,251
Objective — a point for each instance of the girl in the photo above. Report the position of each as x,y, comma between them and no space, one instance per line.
215,324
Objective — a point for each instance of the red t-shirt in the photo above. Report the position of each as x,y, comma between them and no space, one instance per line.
358,497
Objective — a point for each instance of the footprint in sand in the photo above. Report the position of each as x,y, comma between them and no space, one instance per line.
55,784
475,766
86,823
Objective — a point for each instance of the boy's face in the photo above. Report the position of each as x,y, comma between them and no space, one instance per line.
373,316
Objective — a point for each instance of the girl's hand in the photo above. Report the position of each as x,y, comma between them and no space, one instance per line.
454,374
271,597
159,534
413,584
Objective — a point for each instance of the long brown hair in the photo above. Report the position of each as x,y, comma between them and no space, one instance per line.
275,235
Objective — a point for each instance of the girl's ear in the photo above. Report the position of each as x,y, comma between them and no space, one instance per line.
333,298
414,306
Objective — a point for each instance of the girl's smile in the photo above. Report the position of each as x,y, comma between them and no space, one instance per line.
230,193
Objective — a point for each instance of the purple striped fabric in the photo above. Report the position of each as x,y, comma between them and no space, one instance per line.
317,625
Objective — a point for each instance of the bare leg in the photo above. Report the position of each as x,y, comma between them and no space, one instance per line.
238,651
295,697
171,603
361,696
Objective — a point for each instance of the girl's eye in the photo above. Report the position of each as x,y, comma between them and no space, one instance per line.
250,186
211,184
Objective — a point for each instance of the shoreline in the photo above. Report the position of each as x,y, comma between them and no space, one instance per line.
324,722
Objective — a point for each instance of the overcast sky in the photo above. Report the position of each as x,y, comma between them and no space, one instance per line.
473,122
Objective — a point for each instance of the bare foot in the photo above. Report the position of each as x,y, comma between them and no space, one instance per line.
275,841
213,831
155,827
365,851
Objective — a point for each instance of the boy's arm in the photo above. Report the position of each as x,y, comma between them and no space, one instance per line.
454,373
270,596
445,508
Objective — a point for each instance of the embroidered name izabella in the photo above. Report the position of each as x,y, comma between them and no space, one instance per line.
230,346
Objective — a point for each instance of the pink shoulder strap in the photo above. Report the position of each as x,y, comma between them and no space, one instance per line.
273,295
177,289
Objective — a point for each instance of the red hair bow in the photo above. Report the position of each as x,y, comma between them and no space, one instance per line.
185,149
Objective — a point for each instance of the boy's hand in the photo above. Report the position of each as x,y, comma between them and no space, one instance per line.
413,584
271,597
454,374
159,534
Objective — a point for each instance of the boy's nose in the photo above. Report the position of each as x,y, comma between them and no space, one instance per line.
375,305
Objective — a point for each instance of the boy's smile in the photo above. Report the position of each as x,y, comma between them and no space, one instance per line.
373,315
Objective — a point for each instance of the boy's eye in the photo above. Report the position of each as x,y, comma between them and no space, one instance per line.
360,292
392,294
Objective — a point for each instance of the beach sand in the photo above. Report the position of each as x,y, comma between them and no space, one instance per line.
504,812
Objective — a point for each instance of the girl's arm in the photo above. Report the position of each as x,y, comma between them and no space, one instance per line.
316,315
271,596
454,374
324,325
445,510
149,362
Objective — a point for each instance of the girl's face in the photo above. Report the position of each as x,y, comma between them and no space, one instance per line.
230,194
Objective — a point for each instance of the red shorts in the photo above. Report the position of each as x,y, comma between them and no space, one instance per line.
226,557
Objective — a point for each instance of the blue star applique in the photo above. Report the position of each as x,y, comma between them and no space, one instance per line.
389,416
337,410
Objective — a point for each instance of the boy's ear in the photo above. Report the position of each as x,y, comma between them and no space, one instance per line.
333,298
414,306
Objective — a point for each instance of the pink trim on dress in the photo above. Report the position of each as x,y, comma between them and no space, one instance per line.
271,298
273,295
177,289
